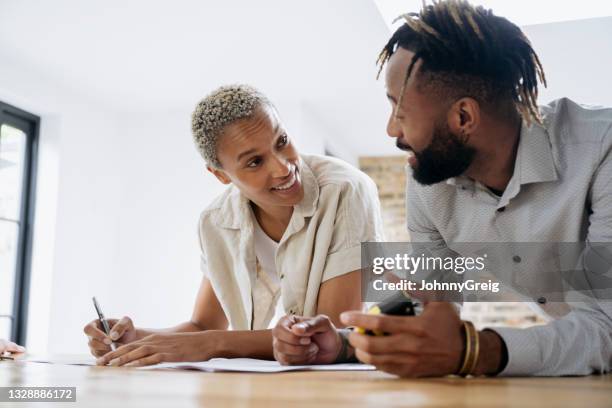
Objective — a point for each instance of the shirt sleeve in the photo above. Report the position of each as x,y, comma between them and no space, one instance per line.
418,220
580,343
203,263
358,220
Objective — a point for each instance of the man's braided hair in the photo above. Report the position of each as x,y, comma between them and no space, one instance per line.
468,51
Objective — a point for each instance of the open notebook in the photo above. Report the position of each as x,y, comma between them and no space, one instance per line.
246,365
251,365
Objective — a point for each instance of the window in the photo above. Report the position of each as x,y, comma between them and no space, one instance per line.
18,141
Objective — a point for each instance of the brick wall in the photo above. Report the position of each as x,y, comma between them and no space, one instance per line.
388,173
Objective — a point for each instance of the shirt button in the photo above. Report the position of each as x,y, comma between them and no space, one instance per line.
282,276
516,258
501,209
542,300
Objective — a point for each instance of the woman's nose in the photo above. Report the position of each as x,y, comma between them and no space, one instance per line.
280,167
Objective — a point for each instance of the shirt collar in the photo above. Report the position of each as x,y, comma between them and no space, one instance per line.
236,211
308,205
534,159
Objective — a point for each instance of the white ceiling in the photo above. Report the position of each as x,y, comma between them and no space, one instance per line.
520,12
154,56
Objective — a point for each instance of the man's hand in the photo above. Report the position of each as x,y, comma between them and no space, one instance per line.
163,347
122,331
430,344
302,340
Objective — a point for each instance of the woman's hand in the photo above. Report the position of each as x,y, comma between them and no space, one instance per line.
122,331
11,347
163,347
302,340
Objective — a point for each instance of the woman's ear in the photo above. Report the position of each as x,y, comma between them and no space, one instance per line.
464,116
220,175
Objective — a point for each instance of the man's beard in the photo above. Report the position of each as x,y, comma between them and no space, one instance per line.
446,156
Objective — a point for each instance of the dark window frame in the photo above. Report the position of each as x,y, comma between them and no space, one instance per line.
30,125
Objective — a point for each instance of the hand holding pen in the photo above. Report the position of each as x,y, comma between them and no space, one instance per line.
117,332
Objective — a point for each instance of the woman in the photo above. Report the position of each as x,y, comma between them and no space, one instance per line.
284,238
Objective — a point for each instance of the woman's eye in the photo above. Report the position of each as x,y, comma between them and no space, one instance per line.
254,163
282,141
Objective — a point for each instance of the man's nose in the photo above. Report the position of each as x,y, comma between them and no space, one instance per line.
393,128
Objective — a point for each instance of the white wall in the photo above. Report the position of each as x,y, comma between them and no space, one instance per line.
76,204
576,56
117,203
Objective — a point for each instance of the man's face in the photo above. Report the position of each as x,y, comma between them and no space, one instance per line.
421,127
258,157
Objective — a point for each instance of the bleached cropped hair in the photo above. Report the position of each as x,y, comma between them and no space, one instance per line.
215,112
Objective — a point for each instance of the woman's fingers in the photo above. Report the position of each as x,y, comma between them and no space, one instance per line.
120,327
293,350
93,330
132,356
149,360
307,326
99,343
288,354
283,332
96,345
105,359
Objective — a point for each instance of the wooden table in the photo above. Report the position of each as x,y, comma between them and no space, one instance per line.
124,387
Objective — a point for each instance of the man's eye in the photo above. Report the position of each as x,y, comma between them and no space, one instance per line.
254,163
282,141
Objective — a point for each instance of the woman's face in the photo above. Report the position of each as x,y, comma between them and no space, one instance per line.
259,158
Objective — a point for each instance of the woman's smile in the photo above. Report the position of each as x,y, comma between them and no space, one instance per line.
290,185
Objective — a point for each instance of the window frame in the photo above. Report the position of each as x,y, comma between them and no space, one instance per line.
30,125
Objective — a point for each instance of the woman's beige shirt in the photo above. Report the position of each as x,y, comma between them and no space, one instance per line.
340,210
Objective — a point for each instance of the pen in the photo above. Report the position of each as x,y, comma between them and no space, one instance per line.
103,322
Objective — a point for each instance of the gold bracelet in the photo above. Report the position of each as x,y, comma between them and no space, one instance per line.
476,352
472,349
468,347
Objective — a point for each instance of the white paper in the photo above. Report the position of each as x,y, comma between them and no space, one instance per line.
65,359
251,365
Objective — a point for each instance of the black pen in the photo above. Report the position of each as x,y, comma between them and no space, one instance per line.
103,322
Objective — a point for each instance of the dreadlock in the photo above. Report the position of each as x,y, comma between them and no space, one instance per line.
469,51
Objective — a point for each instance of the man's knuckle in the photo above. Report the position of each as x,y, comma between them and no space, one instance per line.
377,324
368,346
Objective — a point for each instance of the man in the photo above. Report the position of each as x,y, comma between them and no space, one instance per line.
490,166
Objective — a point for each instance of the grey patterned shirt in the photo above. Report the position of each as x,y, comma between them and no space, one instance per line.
560,191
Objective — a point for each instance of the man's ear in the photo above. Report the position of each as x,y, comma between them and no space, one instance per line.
464,116
219,174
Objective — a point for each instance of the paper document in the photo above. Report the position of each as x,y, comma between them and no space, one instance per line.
65,359
251,365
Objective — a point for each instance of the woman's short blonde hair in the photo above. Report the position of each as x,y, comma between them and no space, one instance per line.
222,107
